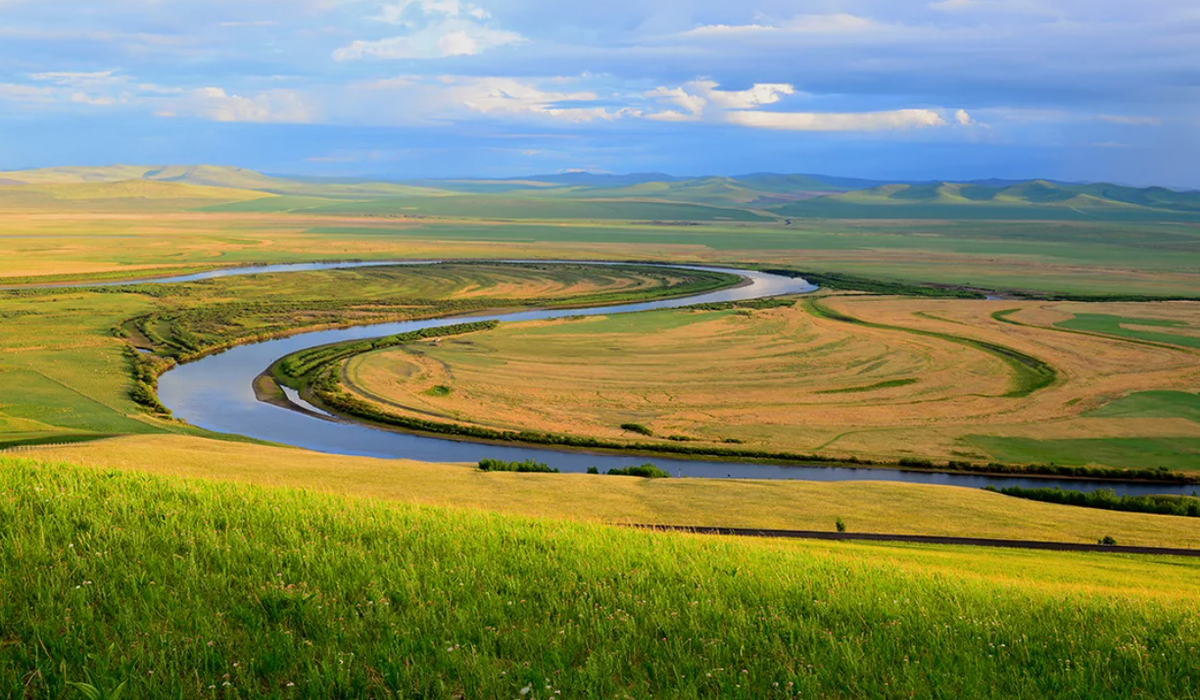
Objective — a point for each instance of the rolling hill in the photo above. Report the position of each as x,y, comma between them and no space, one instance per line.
653,196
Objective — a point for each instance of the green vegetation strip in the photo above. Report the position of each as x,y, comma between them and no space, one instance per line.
889,384
857,283
1109,329
1107,499
1030,373
196,589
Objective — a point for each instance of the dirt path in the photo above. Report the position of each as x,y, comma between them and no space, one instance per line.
922,539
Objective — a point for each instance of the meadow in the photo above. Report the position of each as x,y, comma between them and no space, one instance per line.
847,376
194,589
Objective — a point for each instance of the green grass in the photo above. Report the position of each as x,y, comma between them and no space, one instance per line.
889,384
201,590
1176,453
1116,325
1153,404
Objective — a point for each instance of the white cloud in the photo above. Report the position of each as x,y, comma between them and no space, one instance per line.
417,99
963,118
214,103
954,5
437,29
838,23
78,79
829,121
1129,121
15,92
695,96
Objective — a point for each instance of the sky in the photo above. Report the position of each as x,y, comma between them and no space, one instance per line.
1097,90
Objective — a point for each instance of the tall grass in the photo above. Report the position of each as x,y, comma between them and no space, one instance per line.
204,590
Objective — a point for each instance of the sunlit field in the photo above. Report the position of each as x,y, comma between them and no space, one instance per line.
791,378
196,589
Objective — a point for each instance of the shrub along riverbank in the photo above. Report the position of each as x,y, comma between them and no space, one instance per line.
1107,499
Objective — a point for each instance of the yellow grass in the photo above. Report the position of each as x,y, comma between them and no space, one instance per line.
865,506
784,379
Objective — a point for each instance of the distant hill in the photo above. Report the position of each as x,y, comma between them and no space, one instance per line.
583,195
1031,198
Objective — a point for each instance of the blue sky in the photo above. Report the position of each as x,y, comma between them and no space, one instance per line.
1070,89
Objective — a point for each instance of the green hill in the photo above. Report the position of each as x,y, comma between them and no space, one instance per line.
121,194
756,197
1026,200
193,589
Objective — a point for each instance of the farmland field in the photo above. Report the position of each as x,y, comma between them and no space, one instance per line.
917,378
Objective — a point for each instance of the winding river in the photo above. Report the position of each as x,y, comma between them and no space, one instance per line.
217,393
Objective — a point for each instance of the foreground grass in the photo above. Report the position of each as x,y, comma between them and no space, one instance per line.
186,589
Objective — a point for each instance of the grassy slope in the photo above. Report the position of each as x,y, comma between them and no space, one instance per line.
865,506
139,195
193,590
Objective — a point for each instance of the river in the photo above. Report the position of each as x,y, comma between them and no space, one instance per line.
216,393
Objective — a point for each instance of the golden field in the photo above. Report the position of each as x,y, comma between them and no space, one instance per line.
790,379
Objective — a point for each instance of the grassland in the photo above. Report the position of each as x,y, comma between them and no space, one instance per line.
186,566
190,589
866,506
861,376
1075,258
65,366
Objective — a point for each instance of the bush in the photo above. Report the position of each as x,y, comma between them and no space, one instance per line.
1108,541
637,428
593,470
841,525
527,467
645,471
1107,499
